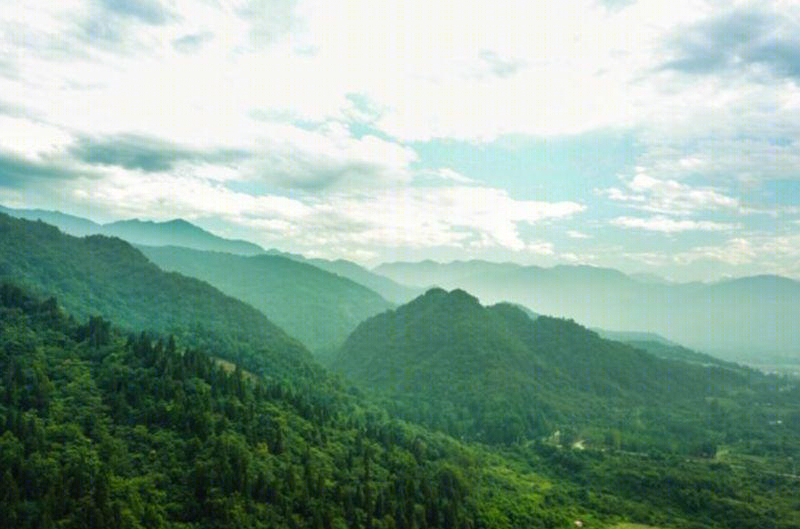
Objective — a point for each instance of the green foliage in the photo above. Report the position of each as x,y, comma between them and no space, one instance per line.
101,276
317,307
103,430
493,374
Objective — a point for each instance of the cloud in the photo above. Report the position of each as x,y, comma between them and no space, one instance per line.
131,152
736,252
145,153
18,172
323,159
730,157
457,216
670,197
664,224
738,41
146,11
460,217
499,66
616,5
326,158
268,19
574,234
192,43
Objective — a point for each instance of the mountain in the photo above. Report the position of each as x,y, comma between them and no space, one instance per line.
744,317
622,336
105,276
317,307
176,232
388,289
495,374
70,224
429,273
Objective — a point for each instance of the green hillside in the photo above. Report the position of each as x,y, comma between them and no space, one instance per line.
105,428
104,276
101,430
317,307
492,373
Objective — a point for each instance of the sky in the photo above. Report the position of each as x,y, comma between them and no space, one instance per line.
648,136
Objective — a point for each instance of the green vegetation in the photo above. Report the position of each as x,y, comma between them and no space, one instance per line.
472,417
317,307
493,374
101,276
104,429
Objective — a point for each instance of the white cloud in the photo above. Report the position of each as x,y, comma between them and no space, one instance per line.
458,216
669,196
757,254
342,223
574,234
429,68
664,224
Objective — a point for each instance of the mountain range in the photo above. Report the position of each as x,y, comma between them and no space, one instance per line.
735,318
176,232
317,307
182,233
163,416
743,318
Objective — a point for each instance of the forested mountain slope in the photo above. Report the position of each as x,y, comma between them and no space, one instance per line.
503,375
99,430
319,308
98,275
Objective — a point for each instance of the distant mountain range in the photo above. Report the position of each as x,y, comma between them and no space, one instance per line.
388,289
317,307
176,232
736,318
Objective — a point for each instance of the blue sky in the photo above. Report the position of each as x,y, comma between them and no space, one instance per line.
659,136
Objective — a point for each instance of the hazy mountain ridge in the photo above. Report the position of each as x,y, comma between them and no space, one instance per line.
184,234
390,290
317,307
730,317
177,232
